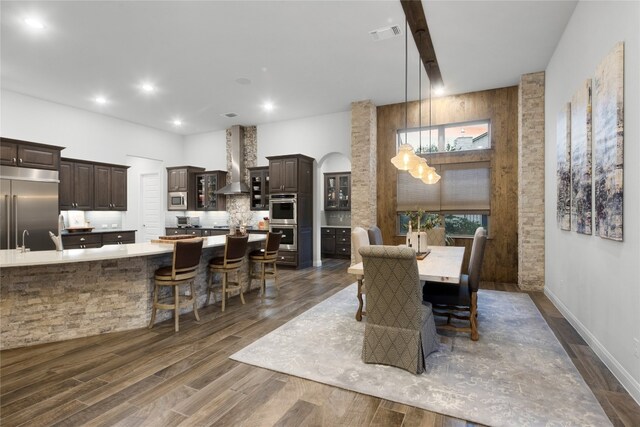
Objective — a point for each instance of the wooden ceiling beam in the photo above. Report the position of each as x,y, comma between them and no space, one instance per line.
417,21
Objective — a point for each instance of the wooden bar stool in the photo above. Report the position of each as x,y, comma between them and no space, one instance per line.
186,258
235,249
266,257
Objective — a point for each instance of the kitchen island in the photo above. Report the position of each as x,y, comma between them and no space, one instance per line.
50,296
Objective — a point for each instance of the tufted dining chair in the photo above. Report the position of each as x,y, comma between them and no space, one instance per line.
400,330
451,300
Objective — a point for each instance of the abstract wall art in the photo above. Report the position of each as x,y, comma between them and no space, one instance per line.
608,129
563,157
581,201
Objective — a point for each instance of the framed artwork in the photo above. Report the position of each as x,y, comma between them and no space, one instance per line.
581,197
608,127
563,158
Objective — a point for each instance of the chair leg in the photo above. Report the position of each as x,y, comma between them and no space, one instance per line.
224,289
153,309
263,281
176,308
194,297
473,316
240,285
209,289
275,276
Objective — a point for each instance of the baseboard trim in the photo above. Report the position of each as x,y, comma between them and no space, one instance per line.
627,381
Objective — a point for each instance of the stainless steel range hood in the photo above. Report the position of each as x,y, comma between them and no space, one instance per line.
237,185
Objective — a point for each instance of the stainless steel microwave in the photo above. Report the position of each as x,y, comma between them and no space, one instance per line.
177,201
283,209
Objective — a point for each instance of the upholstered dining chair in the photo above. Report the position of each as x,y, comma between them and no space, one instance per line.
359,239
375,235
400,330
235,249
266,258
450,299
182,271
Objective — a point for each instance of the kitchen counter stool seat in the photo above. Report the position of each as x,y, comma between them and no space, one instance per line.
266,258
235,250
182,271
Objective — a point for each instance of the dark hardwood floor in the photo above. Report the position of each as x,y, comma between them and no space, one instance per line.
161,378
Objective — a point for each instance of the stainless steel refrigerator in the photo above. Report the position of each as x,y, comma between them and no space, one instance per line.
28,201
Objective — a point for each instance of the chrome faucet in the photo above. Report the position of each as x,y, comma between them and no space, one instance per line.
23,248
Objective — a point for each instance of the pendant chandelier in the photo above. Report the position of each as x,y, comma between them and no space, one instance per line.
421,169
406,158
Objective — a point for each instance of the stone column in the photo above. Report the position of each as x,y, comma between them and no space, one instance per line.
241,203
531,182
364,144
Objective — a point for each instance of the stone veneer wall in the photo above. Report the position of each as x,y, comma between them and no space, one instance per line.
364,144
48,303
531,181
239,206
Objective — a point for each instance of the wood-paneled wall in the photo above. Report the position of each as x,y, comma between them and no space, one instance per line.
500,106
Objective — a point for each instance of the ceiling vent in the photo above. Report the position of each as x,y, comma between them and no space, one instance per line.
385,33
229,115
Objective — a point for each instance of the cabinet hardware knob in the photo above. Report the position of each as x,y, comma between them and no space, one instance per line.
82,239
119,237
13,160
20,160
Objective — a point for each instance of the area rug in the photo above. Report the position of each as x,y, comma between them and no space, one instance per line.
517,374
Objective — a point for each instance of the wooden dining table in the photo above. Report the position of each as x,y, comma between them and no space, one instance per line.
443,264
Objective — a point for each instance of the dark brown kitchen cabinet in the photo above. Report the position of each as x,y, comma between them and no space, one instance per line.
207,183
337,191
97,239
180,178
290,174
118,237
110,188
336,242
14,152
76,185
259,191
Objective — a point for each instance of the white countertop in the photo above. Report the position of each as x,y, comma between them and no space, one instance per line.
13,258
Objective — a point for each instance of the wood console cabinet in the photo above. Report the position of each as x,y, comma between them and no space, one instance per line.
14,152
207,183
259,188
76,185
337,191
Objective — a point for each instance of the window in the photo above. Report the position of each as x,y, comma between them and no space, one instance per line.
450,137
461,200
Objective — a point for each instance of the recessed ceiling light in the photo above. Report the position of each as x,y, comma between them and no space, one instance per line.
101,100
243,81
439,91
177,122
147,87
35,23
268,106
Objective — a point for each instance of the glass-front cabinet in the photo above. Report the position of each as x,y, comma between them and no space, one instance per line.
207,183
259,191
337,191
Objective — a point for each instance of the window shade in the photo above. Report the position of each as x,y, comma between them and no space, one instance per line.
464,187
413,194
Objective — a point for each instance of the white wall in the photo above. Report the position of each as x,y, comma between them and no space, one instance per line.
596,282
207,150
95,137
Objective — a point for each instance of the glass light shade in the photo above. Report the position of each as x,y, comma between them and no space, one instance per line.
406,158
431,176
420,169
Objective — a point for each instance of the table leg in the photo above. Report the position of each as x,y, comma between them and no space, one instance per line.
360,301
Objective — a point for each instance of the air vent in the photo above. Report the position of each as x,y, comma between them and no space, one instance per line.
385,33
230,115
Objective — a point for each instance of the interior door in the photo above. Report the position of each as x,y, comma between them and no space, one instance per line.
152,226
